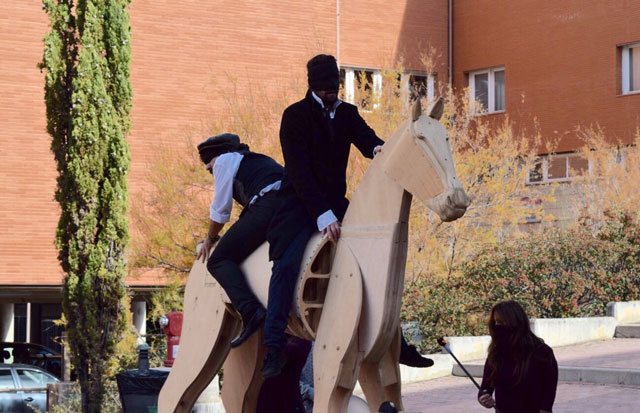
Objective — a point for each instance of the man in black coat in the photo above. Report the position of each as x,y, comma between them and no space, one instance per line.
316,134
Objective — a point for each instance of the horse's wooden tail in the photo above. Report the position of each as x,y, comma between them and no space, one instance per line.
207,331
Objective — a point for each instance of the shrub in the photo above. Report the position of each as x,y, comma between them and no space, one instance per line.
557,273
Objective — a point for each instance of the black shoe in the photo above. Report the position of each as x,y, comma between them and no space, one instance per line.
388,407
409,356
250,327
273,363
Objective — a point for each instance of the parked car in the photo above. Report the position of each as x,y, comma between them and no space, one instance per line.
22,385
33,354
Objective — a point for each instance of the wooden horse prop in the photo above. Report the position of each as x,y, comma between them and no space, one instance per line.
348,295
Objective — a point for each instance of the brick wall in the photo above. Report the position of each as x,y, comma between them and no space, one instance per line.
183,55
376,30
561,61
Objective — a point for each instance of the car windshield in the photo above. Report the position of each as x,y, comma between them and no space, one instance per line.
33,378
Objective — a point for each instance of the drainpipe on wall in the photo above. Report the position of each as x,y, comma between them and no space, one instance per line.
338,31
450,42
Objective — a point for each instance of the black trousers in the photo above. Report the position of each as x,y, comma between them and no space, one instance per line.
244,237
281,287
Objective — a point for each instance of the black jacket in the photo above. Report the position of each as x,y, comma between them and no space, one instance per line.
316,151
536,392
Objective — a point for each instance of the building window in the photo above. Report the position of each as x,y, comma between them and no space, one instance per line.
631,68
487,88
558,168
422,86
360,85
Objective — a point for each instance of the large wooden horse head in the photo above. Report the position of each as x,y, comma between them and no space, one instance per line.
422,164
348,295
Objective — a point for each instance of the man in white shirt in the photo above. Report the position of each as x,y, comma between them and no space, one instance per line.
252,180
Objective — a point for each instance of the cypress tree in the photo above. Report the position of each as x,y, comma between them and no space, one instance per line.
86,61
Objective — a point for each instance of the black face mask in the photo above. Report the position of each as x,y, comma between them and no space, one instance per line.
502,333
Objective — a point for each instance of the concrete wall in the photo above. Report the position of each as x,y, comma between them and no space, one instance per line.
554,331
627,312
565,331
469,347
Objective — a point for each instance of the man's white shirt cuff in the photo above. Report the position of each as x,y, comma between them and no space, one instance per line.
219,218
326,219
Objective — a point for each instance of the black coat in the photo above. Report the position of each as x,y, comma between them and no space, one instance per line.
536,392
316,151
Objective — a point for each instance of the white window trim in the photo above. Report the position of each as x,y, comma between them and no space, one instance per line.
492,88
545,169
349,84
626,74
431,88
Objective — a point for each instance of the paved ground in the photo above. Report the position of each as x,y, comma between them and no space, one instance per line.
458,394
615,353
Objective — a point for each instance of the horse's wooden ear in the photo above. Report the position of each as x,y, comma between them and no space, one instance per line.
437,109
417,110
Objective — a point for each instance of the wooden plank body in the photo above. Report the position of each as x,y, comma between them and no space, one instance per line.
207,331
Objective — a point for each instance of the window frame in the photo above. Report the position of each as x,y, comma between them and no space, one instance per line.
627,73
545,161
429,82
491,100
350,80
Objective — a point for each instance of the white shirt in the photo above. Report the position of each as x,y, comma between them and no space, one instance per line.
225,169
332,114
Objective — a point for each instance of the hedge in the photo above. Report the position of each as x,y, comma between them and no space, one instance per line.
555,273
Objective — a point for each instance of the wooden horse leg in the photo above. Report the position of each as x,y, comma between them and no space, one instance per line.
207,331
242,377
336,356
380,381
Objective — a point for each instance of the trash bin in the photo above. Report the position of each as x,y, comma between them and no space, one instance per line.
139,389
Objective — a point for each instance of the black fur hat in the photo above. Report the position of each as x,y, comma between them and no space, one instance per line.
217,145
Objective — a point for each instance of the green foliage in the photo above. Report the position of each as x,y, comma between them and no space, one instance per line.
167,299
558,273
88,96
110,404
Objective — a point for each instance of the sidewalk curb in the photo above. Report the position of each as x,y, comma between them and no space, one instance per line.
596,375
628,331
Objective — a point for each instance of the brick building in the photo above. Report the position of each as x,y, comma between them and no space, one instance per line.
569,63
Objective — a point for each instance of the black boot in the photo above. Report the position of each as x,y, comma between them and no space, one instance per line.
249,327
273,363
409,356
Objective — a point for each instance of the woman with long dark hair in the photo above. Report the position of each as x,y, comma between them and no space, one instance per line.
520,368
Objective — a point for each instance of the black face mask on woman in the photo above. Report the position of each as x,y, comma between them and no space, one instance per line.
502,333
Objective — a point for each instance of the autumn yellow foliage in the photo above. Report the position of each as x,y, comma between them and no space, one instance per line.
492,162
